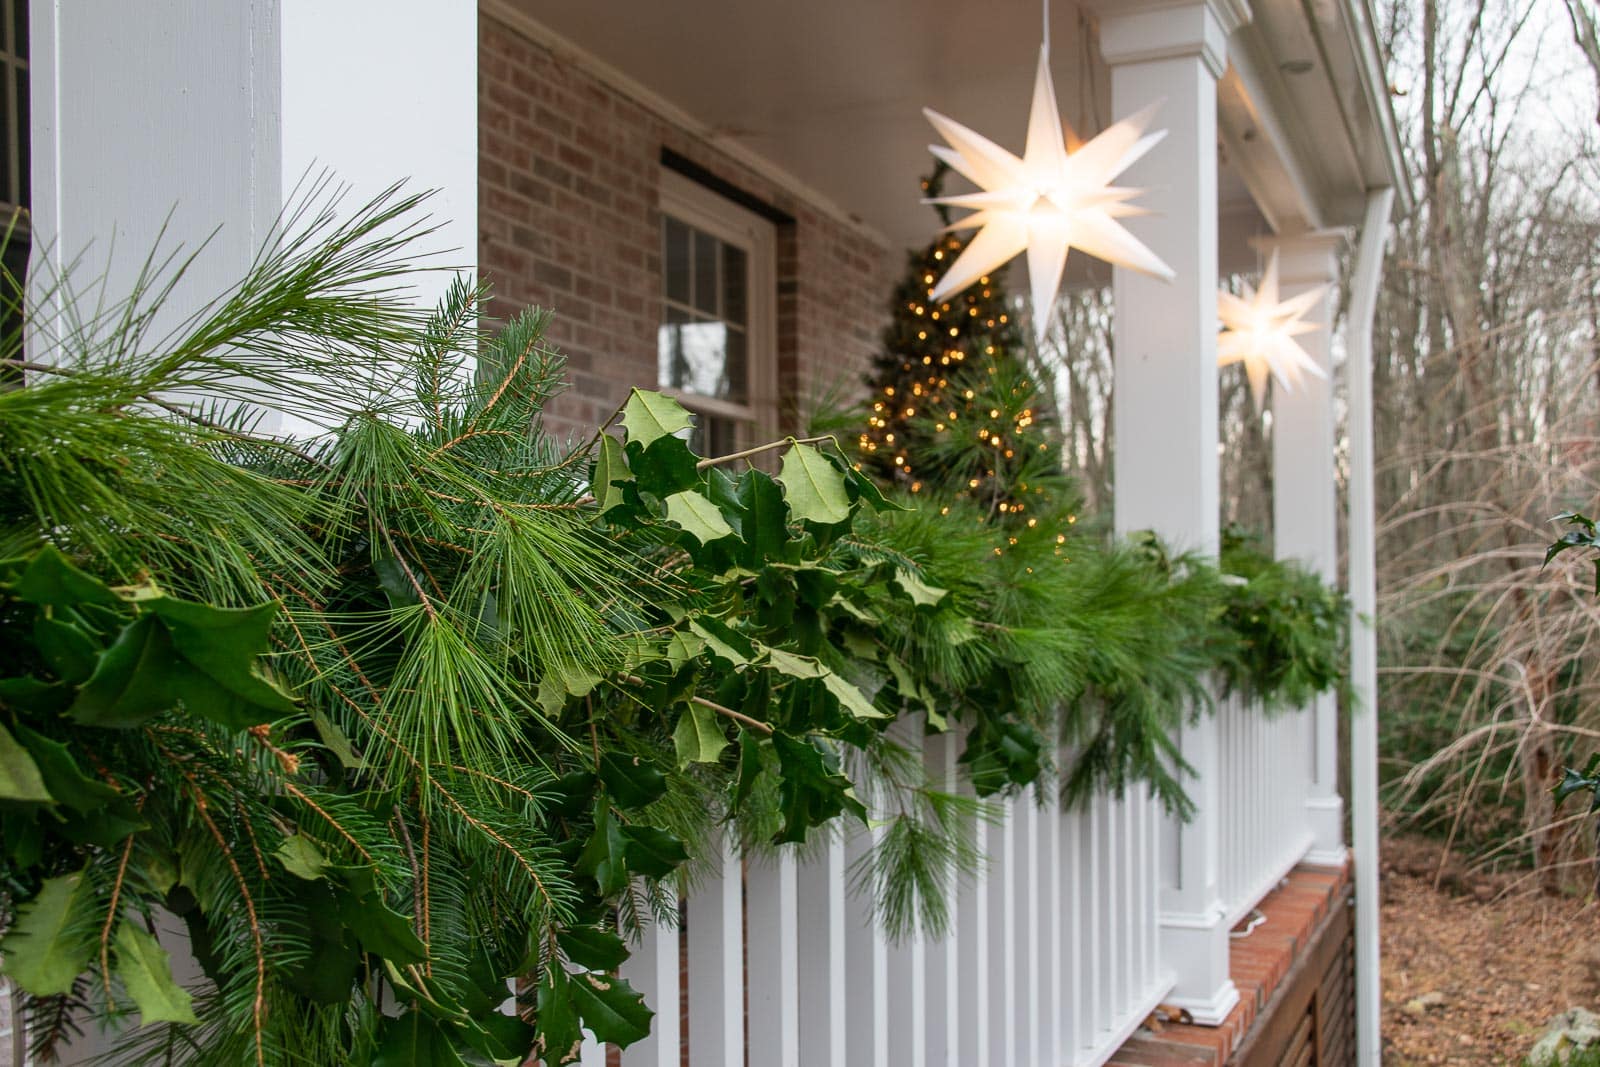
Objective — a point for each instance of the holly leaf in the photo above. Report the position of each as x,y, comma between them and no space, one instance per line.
222,643
146,972
812,486
697,516
723,641
415,1040
850,697
51,940
301,857
610,1008
610,468
648,416
632,781
766,519
921,593
792,665
19,774
559,1037
592,947
381,930
51,579
603,857
651,851
66,649
698,737
810,788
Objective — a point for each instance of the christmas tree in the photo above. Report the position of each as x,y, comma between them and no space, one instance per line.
954,406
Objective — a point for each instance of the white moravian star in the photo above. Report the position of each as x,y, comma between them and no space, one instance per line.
1047,202
1259,330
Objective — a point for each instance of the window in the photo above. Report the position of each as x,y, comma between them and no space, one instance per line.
715,343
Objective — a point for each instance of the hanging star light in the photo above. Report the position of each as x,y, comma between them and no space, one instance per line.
1049,201
1259,330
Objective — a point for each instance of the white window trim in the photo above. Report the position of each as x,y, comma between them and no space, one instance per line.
725,220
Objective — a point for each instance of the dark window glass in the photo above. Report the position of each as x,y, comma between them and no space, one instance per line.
675,259
705,272
734,279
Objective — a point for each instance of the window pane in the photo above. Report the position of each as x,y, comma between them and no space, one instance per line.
671,366
19,22
675,259
23,155
735,374
714,436
734,278
692,355
705,272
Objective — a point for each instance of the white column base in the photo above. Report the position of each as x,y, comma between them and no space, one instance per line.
1325,816
1196,947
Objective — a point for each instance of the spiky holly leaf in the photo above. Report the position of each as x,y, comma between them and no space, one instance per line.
649,416
698,737
610,470
813,487
51,940
19,774
610,1008
698,517
146,972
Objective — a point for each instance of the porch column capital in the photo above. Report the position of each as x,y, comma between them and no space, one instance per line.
1139,32
1305,259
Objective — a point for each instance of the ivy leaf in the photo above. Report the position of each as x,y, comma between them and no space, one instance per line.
648,416
632,780
559,1036
812,486
921,593
51,940
592,947
698,517
19,774
651,851
51,579
698,737
850,697
610,468
146,972
301,857
611,1009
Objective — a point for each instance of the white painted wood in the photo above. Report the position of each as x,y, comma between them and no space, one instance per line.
1363,609
942,992
1165,410
1026,964
202,119
772,968
973,950
1052,894
907,973
654,970
866,962
591,1053
1002,937
821,925
715,922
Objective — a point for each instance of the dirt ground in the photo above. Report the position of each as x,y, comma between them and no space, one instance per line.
1473,970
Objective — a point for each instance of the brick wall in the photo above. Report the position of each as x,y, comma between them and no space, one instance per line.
569,219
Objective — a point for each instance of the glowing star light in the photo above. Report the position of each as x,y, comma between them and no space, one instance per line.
1047,202
1260,330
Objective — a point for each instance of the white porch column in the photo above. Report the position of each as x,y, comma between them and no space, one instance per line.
205,117
1165,412
1304,506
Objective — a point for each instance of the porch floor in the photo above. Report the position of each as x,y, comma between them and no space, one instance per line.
1297,912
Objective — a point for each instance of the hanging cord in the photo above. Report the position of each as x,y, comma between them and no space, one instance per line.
1045,18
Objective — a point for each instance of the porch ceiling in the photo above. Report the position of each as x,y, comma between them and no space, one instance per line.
831,92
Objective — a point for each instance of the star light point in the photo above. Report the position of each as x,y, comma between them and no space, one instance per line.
1259,330
1050,201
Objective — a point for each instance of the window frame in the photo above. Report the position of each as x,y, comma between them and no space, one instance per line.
710,212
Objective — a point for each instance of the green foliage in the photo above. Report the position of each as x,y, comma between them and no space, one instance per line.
394,713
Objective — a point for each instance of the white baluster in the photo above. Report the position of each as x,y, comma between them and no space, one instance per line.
716,964
773,965
654,969
866,961
944,1007
821,931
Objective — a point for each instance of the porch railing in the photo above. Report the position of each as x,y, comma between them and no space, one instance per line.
1265,765
1051,958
